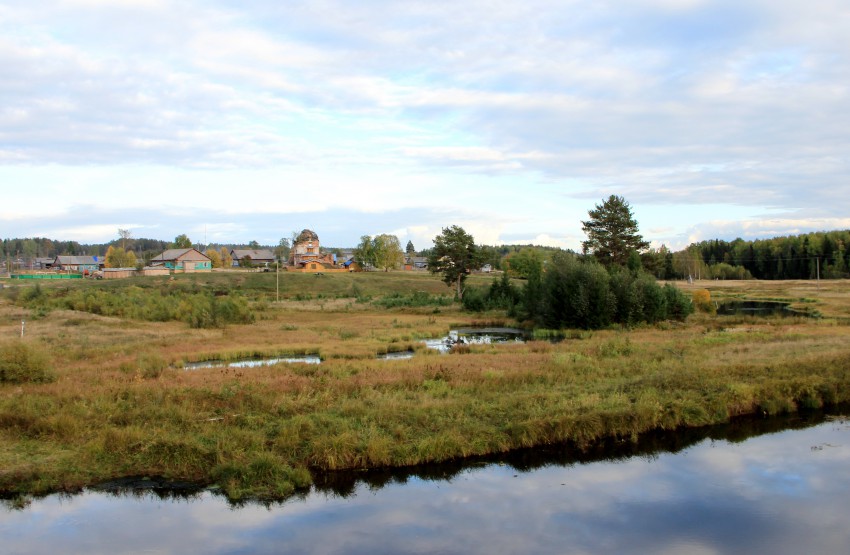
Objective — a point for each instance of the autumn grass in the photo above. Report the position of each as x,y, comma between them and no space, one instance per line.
121,405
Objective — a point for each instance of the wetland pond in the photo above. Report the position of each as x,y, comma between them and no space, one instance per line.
755,486
756,308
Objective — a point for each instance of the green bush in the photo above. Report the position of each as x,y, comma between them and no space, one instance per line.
415,299
21,362
583,294
679,305
187,303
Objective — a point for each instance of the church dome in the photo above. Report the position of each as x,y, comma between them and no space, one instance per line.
307,235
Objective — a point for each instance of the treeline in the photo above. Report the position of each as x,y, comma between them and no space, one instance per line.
41,247
578,292
806,256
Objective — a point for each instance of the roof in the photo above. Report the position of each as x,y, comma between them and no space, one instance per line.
253,254
75,260
180,254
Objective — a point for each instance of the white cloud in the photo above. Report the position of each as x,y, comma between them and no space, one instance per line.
499,112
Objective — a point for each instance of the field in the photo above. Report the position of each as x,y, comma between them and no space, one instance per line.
120,402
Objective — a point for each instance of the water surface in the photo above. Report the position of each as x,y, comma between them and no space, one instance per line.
782,492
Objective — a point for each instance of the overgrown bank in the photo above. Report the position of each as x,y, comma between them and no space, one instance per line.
259,431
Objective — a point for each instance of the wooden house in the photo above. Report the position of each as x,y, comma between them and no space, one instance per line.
262,257
82,264
183,260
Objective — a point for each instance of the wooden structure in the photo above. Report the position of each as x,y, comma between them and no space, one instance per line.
82,264
183,260
259,258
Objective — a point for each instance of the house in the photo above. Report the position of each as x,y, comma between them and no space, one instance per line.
352,265
262,257
82,264
416,263
183,260
43,263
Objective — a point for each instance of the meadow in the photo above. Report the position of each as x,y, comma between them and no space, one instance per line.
112,398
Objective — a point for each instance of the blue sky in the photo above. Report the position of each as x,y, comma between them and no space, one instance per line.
233,122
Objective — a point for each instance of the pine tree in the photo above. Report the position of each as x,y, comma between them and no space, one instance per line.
612,232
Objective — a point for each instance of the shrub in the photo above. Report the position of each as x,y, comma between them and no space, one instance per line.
701,299
21,362
679,305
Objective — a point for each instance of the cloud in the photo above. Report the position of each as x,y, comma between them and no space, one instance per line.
667,103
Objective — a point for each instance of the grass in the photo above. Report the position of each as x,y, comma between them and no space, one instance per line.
119,404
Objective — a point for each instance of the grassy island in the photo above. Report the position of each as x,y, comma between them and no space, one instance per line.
98,389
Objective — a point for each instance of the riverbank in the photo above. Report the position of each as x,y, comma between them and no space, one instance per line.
121,405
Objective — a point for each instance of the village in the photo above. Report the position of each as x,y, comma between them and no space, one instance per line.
305,255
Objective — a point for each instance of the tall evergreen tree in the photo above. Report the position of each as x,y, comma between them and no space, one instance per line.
612,232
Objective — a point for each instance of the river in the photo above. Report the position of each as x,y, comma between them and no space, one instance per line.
784,491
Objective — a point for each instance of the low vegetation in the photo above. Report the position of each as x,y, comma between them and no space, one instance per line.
98,394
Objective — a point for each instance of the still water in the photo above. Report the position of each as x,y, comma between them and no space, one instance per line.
785,491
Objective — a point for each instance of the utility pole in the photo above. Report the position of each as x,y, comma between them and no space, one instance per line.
277,278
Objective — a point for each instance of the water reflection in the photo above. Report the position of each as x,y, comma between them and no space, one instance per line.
781,492
756,308
252,362
476,336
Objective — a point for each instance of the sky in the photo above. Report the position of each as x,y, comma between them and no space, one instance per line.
247,121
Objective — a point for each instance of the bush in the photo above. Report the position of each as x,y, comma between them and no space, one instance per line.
415,299
701,299
501,295
21,362
679,306
583,294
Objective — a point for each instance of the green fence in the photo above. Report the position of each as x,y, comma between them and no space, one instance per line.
47,276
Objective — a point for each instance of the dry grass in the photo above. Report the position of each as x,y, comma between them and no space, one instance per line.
115,409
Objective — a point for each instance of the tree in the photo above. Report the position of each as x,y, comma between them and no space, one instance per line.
454,256
363,253
215,257
612,232
386,252
181,242
116,257
125,235
282,250
226,259
409,249
526,261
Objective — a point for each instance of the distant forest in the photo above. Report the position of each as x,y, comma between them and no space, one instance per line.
825,254
792,257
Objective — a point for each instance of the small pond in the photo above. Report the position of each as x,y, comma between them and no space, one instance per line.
703,491
252,362
755,308
477,336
